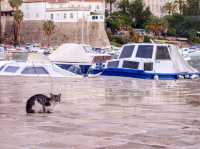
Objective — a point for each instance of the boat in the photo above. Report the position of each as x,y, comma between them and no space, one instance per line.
190,52
33,69
2,53
148,61
77,58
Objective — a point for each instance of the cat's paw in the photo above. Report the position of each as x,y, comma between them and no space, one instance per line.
49,111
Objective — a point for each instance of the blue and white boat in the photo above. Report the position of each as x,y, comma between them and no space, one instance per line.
77,57
149,61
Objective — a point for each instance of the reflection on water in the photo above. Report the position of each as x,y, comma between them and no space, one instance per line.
101,113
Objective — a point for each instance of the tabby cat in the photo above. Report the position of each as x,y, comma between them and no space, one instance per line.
42,104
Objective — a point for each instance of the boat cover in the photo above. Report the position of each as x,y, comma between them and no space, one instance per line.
70,53
180,64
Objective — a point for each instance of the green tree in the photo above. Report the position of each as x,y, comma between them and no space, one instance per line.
15,4
18,18
48,28
117,21
139,13
124,6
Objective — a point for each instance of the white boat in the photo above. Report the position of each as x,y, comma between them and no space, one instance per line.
33,69
2,53
190,52
71,55
149,61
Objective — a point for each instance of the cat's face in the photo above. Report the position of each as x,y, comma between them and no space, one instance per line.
55,98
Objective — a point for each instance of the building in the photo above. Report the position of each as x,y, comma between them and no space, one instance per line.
79,21
64,10
6,15
156,6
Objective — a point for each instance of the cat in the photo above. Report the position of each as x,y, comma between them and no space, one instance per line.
43,102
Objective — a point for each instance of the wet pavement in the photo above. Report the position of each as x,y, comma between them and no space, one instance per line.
102,113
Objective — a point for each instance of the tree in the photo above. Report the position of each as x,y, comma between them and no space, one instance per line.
139,13
15,4
192,8
180,4
18,18
157,26
117,21
124,6
48,28
0,22
110,2
170,8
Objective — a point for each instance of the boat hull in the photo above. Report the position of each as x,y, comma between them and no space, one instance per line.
132,73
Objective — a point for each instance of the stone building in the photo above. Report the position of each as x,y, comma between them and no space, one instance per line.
80,21
6,17
156,6
64,10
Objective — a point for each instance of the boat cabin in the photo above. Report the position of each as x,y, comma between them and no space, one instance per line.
33,69
153,58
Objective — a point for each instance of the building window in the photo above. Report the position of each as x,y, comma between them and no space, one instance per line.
71,15
101,17
90,7
52,16
97,7
94,17
37,15
57,16
65,16
27,7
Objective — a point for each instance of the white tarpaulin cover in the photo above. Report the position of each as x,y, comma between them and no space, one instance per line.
179,63
70,53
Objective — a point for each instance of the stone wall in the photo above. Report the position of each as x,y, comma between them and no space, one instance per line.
93,33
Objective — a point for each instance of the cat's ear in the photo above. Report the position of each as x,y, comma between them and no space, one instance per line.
51,94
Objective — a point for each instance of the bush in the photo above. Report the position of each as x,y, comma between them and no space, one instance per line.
147,39
118,39
196,40
171,32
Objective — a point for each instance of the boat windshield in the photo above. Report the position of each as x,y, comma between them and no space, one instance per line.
11,69
35,70
144,51
62,71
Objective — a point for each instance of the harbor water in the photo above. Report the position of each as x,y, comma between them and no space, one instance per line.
101,113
